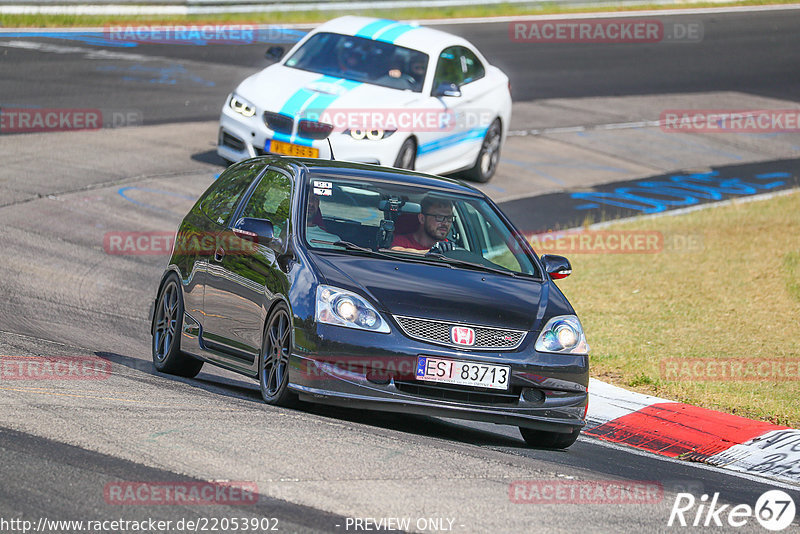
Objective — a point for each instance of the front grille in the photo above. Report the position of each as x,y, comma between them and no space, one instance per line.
458,393
314,130
231,141
486,337
278,123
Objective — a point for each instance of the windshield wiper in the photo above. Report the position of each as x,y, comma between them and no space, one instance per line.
471,265
352,246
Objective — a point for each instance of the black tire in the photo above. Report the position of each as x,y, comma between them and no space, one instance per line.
489,156
549,440
407,156
167,327
273,362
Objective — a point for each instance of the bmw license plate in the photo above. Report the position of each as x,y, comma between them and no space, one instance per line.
481,375
290,149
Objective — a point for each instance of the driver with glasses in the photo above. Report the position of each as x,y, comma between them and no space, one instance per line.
435,220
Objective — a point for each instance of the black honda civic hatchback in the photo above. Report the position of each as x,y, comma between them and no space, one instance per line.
384,289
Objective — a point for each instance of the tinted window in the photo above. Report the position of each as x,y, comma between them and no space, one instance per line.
362,60
222,197
458,65
271,199
448,70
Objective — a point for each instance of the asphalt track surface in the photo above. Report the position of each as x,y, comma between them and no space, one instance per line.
63,296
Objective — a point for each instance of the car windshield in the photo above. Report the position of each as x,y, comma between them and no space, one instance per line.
405,221
362,60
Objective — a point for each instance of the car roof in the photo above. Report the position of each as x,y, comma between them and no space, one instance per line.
409,35
314,167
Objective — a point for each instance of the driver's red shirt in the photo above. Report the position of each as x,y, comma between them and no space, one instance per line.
407,241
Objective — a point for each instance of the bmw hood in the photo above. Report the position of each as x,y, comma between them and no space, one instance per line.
289,91
442,293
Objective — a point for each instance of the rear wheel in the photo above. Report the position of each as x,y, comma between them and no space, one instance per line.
273,367
549,440
167,325
489,156
407,156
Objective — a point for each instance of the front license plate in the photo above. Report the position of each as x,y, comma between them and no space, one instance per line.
481,375
290,149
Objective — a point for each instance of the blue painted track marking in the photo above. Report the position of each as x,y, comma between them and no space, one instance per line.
122,191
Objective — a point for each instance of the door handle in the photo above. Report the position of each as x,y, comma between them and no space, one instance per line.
219,254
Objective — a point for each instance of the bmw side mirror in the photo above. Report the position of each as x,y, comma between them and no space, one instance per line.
446,89
259,231
556,266
274,53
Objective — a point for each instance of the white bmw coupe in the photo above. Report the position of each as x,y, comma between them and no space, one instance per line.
374,91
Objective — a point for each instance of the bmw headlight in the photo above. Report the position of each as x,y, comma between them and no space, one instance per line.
241,106
563,334
372,135
343,308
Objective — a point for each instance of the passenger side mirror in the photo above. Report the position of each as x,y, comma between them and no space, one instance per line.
274,53
446,89
259,231
556,266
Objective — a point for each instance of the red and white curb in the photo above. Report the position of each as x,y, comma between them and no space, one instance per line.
694,434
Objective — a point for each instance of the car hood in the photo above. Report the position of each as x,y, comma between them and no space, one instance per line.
278,88
439,292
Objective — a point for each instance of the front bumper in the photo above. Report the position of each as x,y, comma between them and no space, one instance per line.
376,371
243,137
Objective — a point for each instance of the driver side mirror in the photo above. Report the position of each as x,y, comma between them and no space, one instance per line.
274,53
556,266
258,231
446,89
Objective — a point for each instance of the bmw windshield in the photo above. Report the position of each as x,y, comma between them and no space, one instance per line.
413,223
362,60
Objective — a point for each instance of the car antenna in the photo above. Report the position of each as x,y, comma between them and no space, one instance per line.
331,147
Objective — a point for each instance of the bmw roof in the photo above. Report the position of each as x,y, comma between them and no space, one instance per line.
410,35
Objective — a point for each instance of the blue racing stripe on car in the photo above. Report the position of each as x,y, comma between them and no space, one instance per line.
372,28
391,34
452,140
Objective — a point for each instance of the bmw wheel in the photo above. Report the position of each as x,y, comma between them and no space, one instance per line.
489,156
273,367
407,156
167,326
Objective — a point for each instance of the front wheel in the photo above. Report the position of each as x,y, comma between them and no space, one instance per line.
273,367
489,155
549,440
167,325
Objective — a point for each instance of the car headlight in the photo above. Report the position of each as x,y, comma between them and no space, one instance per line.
563,334
343,308
241,106
372,135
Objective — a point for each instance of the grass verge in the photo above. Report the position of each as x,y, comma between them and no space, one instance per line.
735,297
311,17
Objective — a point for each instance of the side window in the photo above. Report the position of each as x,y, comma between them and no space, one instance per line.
448,69
471,66
272,199
221,198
